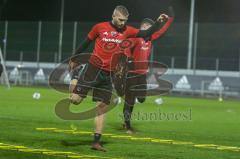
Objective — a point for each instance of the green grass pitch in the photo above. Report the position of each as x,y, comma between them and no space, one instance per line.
203,121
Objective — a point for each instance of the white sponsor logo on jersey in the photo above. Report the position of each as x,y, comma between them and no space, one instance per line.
112,40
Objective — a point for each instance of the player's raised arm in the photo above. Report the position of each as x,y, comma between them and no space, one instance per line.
147,33
167,20
159,23
150,31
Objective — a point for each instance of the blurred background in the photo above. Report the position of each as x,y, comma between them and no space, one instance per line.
201,48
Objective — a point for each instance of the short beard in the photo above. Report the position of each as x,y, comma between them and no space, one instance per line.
114,23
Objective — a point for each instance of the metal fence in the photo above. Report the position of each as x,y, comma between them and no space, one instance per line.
215,45
205,83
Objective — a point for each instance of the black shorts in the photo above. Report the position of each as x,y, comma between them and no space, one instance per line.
136,87
97,80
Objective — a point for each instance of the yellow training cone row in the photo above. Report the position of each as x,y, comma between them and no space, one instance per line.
19,148
148,139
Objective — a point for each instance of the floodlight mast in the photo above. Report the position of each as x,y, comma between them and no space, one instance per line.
61,32
190,38
4,69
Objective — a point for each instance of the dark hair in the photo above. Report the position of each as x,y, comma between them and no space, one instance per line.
147,20
121,9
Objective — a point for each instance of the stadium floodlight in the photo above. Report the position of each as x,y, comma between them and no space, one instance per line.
5,75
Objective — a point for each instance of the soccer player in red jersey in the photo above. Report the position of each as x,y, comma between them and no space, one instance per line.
139,57
96,74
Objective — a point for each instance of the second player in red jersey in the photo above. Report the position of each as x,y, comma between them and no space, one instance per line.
138,68
142,49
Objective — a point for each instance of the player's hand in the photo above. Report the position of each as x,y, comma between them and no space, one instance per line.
162,18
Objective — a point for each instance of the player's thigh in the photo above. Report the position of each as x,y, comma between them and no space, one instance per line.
90,74
103,92
87,80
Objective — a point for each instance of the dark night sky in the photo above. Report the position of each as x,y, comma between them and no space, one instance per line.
214,40
101,10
